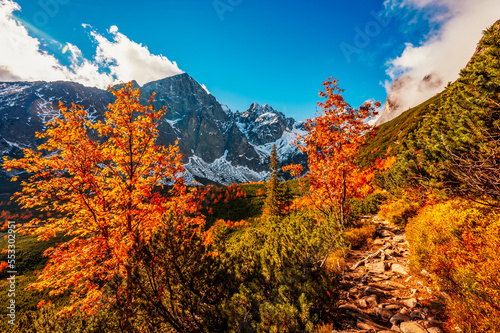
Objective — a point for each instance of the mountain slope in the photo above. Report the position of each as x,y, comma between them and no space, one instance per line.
401,131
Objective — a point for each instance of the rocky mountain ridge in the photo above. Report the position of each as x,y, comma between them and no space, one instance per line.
219,146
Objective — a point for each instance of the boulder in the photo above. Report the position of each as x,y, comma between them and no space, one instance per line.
362,303
372,291
417,314
393,307
405,311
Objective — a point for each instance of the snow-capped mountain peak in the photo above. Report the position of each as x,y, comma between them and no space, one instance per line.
218,145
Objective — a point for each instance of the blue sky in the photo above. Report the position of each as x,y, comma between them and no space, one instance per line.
276,52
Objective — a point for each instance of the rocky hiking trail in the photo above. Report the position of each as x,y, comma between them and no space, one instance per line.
379,295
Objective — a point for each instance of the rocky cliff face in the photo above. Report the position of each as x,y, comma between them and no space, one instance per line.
206,133
25,108
218,145
263,124
265,127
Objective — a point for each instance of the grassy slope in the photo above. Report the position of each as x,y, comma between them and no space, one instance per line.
245,208
393,133
28,259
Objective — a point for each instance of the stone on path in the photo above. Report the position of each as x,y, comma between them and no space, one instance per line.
399,318
348,306
412,327
393,307
417,314
382,313
395,328
386,233
399,239
365,326
372,291
372,300
376,267
362,303
400,269
410,303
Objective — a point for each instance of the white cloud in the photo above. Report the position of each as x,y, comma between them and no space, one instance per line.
22,57
127,60
445,51
113,29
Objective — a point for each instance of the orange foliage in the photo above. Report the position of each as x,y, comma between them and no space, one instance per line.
386,163
332,145
457,243
295,170
208,236
3,265
104,193
213,195
5,225
43,303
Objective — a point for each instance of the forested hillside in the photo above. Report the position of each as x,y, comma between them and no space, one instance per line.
444,188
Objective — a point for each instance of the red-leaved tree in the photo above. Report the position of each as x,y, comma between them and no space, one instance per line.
332,145
101,181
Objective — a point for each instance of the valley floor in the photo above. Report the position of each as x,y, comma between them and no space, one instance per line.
379,295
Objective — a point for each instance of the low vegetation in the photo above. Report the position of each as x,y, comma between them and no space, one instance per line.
454,246
135,256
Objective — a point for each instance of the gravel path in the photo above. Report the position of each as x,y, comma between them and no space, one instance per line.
379,295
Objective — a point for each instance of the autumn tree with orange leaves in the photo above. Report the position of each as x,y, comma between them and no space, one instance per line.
102,181
332,145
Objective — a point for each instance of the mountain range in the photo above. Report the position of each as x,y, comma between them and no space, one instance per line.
219,146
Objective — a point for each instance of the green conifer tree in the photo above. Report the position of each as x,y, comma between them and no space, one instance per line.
285,198
271,204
